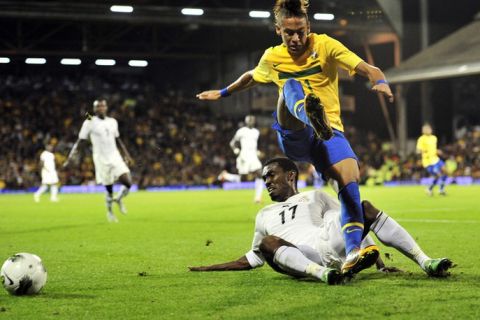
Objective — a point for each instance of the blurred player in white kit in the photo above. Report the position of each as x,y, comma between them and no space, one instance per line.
102,131
49,175
245,145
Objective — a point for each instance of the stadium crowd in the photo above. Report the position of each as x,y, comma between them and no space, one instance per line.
173,139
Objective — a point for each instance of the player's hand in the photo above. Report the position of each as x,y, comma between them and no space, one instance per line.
209,95
384,89
386,269
128,161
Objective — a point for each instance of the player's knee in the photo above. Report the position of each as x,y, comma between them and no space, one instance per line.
269,245
369,210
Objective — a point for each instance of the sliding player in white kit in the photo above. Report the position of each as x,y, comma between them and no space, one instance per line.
102,131
301,235
245,145
49,175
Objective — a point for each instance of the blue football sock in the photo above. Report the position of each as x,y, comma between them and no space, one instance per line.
442,183
434,183
351,216
294,99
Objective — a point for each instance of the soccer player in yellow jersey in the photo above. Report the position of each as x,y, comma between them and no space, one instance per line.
304,67
427,147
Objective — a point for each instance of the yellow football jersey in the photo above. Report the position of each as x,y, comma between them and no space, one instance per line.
316,70
427,144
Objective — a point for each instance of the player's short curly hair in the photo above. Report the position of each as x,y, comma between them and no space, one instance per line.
286,164
290,8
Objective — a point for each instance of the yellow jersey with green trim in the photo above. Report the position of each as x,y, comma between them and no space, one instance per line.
427,144
316,70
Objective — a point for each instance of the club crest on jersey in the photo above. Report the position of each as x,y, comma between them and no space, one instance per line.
314,55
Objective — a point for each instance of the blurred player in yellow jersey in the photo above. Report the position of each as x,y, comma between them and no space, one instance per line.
308,124
427,147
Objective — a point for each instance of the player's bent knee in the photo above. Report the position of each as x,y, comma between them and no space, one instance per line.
369,210
270,244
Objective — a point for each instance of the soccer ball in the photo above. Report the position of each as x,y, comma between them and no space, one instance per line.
23,273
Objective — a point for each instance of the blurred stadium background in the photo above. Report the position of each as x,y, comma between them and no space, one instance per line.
156,58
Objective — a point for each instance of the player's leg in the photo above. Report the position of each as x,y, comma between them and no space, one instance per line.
39,192
126,181
286,258
294,138
109,201
443,177
346,174
230,177
307,108
392,234
432,170
258,186
54,192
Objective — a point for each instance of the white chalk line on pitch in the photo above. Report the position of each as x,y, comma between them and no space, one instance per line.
425,210
436,221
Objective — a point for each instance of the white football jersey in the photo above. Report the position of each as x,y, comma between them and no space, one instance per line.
248,139
102,134
299,220
48,160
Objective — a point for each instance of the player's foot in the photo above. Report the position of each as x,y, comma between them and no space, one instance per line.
36,198
359,259
54,200
318,118
442,193
429,192
111,217
221,176
332,277
438,267
121,205
258,200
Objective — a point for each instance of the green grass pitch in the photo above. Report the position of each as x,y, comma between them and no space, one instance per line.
137,269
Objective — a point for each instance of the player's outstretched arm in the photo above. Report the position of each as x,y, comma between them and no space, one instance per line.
377,79
79,144
126,154
244,82
237,265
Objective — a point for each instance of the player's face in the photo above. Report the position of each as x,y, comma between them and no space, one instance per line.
102,108
426,129
294,32
250,121
279,183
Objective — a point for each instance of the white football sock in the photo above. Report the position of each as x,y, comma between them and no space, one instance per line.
292,259
258,189
232,177
123,192
41,190
390,233
53,192
108,202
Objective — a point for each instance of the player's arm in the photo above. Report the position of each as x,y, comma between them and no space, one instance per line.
125,152
235,144
376,77
80,144
41,163
419,146
245,81
237,265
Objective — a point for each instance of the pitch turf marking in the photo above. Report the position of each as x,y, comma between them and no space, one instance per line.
437,221
426,210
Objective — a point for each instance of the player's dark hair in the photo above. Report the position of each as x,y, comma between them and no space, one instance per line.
290,8
286,165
